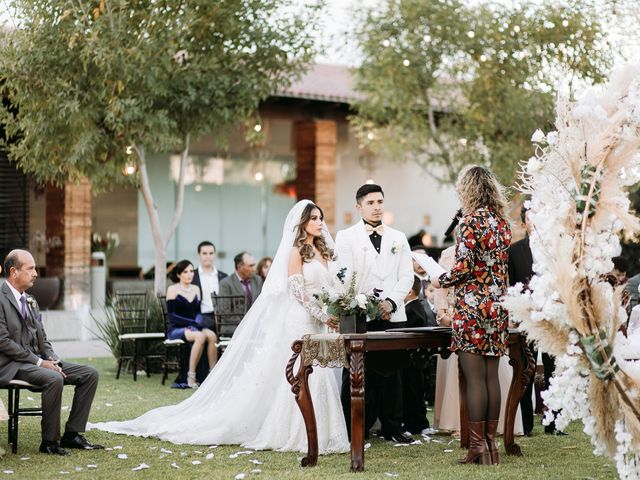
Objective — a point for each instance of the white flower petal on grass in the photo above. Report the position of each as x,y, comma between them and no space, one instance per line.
175,465
448,451
196,462
108,404
240,476
209,456
198,452
118,447
164,450
390,474
256,470
92,465
65,407
142,466
255,461
64,472
8,472
367,446
79,469
123,456
213,446
402,444
233,455
25,458
30,399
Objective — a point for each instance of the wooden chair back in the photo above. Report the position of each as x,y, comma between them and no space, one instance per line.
132,311
229,311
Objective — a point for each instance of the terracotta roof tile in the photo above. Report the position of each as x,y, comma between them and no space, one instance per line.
332,83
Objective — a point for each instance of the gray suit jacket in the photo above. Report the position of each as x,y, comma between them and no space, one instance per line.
231,286
13,352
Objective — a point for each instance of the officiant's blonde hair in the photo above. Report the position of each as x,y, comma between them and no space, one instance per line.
478,187
305,249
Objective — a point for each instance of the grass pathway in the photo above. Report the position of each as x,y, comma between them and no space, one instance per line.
545,457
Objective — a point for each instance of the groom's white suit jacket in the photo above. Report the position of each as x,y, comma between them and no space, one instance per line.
391,270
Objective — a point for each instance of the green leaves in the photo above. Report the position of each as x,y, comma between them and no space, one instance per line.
91,78
446,84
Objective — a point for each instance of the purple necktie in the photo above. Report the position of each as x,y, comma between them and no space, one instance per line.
23,302
246,285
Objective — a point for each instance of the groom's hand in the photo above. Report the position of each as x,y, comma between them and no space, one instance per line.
386,309
333,323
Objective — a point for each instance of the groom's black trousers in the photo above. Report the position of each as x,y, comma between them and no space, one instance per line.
382,394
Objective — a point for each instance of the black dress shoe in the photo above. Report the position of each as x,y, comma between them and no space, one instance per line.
558,433
528,433
78,441
52,448
398,438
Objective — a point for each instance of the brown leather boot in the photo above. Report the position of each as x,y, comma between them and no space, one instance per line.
490,433
478,450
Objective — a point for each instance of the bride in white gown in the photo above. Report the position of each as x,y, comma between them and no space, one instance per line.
246,399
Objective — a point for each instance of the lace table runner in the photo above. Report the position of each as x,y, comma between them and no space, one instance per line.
324,350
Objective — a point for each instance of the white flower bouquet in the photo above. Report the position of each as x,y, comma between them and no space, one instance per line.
346,298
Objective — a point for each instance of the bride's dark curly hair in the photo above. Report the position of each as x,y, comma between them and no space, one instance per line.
306,249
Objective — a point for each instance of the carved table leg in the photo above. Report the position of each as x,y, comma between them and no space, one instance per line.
356,374
300,388
464,410
519,356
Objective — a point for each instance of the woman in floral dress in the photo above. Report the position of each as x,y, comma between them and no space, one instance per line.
480,324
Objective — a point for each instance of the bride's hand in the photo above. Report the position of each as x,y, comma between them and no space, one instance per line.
333,323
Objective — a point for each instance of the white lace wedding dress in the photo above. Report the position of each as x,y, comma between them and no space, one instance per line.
246,400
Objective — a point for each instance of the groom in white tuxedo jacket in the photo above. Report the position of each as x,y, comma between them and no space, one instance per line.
381,255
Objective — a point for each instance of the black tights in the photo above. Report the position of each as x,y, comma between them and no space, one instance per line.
483,386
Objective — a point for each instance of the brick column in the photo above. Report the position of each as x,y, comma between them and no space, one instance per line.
316,165
69,221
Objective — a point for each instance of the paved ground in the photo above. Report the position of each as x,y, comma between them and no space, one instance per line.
81,349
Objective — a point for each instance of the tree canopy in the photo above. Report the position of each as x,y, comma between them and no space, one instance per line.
90,79
91,87
447,83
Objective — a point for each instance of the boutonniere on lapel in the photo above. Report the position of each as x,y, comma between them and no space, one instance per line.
33,306
396,247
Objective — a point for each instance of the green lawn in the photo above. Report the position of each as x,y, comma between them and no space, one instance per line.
545,457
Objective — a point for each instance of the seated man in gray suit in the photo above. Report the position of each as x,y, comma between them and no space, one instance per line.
25,354
244,280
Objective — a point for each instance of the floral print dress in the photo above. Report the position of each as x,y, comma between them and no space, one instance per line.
479,276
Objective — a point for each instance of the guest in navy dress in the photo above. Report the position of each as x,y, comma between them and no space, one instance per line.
185,319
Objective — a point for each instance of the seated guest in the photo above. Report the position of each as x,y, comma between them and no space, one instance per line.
207,278
426,298
244,280
263,267
26,354
414,418
185,320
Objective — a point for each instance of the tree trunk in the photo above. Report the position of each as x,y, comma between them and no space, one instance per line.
160,242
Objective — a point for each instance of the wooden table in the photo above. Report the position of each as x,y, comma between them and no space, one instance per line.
401,349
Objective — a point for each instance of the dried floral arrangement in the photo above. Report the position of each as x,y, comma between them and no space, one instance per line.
578,208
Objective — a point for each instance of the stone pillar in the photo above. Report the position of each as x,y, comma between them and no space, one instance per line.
68,232
316,165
